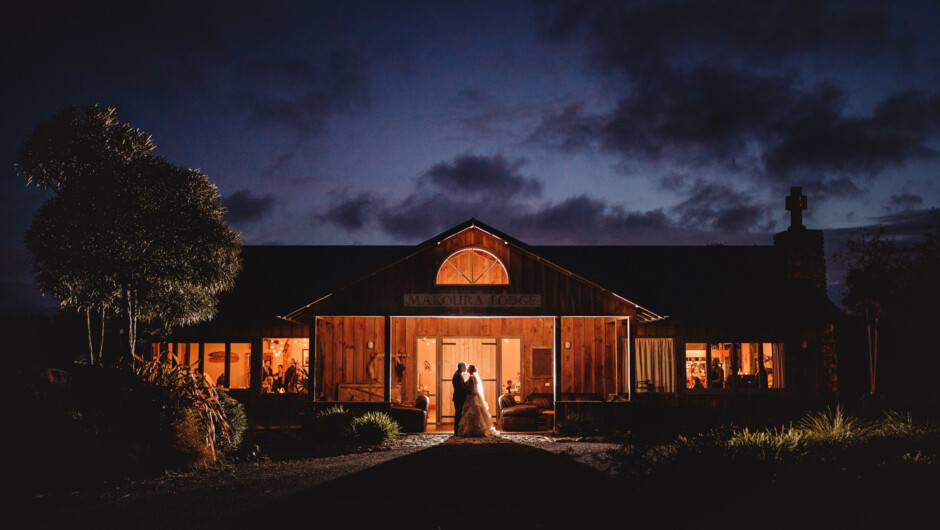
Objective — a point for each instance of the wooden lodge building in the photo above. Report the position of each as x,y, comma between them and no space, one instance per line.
716,329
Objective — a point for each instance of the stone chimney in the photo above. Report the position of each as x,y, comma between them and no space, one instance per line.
806,259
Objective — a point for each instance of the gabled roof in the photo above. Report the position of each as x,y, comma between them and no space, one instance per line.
689,283
641,313
277,278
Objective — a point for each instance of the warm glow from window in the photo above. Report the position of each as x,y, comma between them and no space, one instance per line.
472,266
279,356
734,365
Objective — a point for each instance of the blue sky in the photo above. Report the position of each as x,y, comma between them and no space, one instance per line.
668,122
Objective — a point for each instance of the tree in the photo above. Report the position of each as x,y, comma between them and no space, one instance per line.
64,154
876,270
126,231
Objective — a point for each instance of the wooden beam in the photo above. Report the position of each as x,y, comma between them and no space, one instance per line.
388,358
630,361
556,372
227,370
257,363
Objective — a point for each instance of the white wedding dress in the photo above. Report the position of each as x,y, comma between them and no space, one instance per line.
476,420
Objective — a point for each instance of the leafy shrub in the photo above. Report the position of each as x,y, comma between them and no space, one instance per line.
329,425
575,424
373,428
229,442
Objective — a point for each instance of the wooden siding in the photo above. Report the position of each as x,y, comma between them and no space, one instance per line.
382,292
342,355
591,363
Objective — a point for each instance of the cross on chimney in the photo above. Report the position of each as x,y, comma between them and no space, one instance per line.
796,203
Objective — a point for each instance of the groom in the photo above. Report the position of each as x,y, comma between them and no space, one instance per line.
460,392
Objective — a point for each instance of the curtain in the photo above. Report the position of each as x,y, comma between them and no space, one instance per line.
778,364
656,363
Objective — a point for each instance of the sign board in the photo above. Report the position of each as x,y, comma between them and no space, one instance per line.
473,300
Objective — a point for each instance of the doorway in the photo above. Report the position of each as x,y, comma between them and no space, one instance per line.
499,362
479,351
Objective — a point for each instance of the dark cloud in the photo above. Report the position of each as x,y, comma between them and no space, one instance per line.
722,116
576,220
452,192
708,113
720,207
817,136
904,202
757,125
715,83
579,219
422,215
483,175
583,220
244,206
351,213
642,38
300,94
908,223
571,129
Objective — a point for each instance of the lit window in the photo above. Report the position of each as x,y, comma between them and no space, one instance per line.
472,266
284,365
734,365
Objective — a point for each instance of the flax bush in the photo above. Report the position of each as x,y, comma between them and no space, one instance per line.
163,416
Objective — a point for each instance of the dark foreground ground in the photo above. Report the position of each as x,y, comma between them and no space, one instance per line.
509,483
453,484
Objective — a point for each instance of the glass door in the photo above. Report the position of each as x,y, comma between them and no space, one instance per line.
478,351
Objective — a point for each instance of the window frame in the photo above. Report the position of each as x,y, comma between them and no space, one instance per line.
735,346
496,261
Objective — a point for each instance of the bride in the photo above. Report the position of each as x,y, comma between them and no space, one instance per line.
476,419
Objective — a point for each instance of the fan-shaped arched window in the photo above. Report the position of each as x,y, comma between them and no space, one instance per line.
472,266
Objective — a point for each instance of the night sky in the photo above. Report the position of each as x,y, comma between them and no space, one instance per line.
660,122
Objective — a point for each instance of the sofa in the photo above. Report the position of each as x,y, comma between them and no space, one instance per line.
412,418
516,416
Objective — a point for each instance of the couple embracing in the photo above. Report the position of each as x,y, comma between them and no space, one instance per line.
471,412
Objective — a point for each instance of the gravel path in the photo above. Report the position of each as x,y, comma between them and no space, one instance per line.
422,481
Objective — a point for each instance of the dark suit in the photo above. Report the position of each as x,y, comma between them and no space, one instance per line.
290,378
460,395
